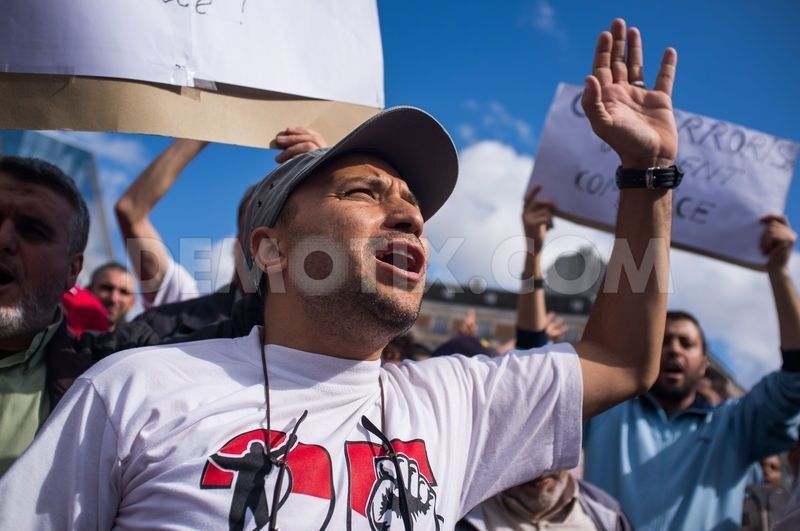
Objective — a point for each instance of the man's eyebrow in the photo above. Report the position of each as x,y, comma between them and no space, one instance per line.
380,182
37,222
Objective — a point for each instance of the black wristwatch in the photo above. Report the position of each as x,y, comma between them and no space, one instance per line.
651,178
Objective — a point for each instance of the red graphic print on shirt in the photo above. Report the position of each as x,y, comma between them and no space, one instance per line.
373,485
243,464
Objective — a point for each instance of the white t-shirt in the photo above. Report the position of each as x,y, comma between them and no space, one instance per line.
178,285
173,438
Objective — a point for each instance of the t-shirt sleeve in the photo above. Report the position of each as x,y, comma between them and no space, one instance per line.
68,477
516,416
178,285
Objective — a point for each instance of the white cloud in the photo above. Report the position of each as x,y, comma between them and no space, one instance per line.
484,209
542,16
492,120
733,304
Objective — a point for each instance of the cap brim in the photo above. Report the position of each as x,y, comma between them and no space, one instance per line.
415,144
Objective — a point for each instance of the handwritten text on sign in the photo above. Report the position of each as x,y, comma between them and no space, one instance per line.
734,176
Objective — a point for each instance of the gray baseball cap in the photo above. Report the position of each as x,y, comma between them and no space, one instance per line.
409,139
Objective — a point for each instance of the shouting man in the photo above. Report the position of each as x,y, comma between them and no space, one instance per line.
160,437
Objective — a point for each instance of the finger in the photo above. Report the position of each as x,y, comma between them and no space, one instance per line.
779,235
601,67
535,189
666,74
316,136
619,71
413,480
593,104
298,130
775,217
288,140
385,469
294,150
403,462
542,218
635,60
424,490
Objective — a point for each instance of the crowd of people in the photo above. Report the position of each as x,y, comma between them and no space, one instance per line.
295,397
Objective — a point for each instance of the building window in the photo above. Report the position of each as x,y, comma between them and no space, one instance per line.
440,325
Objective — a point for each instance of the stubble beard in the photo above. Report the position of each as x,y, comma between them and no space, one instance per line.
541,500
359,310
33,312
676,394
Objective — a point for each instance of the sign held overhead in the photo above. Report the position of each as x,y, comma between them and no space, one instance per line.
733,177
140,54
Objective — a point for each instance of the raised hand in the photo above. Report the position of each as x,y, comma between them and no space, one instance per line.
554,327
469,326
637,123
537,216
777,241
297,140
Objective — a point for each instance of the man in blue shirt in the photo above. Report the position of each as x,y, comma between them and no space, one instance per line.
672,459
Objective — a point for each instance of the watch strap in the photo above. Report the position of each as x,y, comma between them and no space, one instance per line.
651,178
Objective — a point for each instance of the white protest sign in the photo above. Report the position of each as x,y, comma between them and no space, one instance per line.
733,177
324,50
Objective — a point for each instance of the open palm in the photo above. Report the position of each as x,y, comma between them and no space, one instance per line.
637,123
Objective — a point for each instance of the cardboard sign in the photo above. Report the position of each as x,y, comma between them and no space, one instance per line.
323,50
234,71
733,177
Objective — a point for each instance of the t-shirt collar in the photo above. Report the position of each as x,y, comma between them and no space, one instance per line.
315,370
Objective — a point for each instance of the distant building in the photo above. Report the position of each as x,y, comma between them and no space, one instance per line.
443,307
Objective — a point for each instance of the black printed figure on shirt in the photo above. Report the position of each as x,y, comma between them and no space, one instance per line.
249,491
246,477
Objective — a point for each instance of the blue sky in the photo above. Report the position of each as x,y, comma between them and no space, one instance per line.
489,74
494,72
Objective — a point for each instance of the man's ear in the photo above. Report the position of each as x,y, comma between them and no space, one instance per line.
265,249
75,267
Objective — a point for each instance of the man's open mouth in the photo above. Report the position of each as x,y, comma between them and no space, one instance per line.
672,369
403,256
6,275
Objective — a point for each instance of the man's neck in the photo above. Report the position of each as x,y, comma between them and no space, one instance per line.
13,345
286,324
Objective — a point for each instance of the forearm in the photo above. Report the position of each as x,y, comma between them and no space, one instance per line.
787,304
145,192
626,326
531,308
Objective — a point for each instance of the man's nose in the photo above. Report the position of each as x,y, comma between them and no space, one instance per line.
9,239
671,346
405,217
